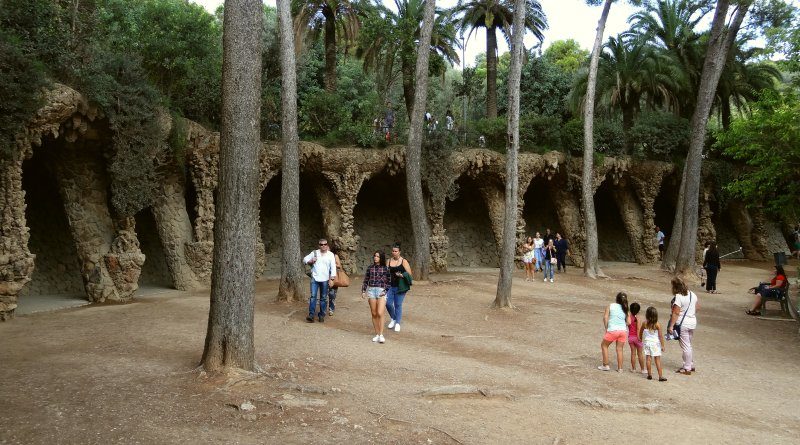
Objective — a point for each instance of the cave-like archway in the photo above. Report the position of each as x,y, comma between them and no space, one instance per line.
311,225
57,266
155,272
612,238
469,229
540,209
381,217
665,204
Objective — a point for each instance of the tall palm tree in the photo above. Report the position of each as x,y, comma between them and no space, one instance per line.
389,43
742,81
338,19
497,15
630,72
670,25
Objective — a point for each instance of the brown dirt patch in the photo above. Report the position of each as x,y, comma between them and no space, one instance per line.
124,373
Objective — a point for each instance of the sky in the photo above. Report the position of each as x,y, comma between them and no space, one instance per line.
568,19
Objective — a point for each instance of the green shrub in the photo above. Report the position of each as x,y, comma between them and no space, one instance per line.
494,131
540,133
608,137
660,135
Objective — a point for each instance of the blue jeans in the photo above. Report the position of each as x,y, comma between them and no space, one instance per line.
320,287
332,297
539,259
394,303
548,268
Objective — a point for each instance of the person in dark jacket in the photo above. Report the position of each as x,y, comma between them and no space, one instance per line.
712,266
562,249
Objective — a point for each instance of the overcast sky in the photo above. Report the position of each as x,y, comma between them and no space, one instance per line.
568,19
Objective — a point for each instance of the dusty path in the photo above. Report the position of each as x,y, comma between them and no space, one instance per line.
123,374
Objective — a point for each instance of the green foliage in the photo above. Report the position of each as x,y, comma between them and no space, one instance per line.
494,131
566,54
768,142
19,76
660,135
539,133
544,88
608,137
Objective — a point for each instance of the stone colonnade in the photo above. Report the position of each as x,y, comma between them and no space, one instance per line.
108,248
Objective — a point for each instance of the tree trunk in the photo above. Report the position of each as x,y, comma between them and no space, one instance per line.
590,266
627,124
718,46
503,297
416,201
408,88
491,72
330,49
725,112
290,287
671,254
229,340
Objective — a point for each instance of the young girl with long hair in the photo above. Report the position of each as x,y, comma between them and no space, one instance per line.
615,321
653,343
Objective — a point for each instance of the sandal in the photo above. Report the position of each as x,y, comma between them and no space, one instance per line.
662,379
753,313
684,371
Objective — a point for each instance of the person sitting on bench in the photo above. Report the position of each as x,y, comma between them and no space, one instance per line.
769,291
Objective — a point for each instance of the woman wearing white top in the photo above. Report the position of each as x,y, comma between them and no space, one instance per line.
684,314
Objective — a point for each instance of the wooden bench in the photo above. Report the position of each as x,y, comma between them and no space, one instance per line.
780,297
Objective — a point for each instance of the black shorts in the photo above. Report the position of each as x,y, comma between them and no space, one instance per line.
660,247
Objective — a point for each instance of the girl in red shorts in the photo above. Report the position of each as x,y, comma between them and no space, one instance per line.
616,319
637,349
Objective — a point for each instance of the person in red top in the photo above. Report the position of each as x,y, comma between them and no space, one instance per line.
637,348
768,291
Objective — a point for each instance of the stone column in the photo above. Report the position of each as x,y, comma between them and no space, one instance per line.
633,218
743,226
647,186
175,229
705,226
495,200
337,211
200,252
568,209
108,252
16,261
759,236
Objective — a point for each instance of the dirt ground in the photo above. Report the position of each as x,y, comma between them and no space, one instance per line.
126,373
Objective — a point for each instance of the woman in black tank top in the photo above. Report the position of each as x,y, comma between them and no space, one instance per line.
394,299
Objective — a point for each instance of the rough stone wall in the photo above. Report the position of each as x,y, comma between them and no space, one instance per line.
16,260
467,224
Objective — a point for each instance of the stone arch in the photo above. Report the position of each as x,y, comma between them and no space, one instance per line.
56,266
665,204
540,208
468,225
612,238
311,225
155,271
381,217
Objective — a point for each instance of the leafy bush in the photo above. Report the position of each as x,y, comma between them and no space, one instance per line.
494,131
608,137
540,133
660,135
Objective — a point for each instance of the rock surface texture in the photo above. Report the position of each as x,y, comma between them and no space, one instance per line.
353,197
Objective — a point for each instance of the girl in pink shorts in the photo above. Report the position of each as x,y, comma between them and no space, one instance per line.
616,320
634,341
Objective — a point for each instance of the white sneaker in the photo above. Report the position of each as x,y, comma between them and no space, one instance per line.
381,339
391,324
397,327
604,368
376,338
545,279
551,280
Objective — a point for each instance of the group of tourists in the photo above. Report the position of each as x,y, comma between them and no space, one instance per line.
386,282
647,340
544,254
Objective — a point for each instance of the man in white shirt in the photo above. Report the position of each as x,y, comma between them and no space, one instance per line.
660,240
323,271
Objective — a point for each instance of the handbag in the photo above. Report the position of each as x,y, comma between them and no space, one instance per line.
342,279
676,328
554,260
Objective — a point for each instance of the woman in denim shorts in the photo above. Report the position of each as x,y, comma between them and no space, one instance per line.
374,289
